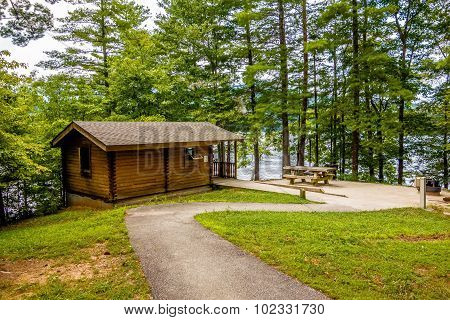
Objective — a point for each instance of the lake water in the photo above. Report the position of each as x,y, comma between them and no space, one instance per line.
269,168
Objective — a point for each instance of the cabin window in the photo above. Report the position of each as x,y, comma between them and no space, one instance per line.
85,161
190,153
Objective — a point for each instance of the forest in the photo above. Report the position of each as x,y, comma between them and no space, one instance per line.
361,84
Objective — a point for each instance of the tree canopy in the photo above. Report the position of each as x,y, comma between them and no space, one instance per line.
360,84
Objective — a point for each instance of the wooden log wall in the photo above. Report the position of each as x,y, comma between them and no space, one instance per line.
139,173
159,170
185,173
97,184
119,175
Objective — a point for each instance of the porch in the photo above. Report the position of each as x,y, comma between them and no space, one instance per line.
225,160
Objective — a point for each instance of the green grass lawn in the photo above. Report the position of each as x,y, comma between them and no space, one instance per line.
80,254
225,194
390,254
86,254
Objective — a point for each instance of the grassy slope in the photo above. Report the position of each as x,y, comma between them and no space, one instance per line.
73,240
68,241
234,195
391,254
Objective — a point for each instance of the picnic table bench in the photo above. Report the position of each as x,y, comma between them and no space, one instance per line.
314,174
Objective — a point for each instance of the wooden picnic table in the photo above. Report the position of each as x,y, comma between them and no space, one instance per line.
314,174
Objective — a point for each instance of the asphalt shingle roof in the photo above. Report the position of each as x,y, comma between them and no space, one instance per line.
146,133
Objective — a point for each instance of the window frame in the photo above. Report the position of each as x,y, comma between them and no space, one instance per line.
188,159
83,172
188,155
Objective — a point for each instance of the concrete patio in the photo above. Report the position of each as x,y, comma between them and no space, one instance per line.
357,195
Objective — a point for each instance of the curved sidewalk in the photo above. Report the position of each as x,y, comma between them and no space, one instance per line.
183,260
357,195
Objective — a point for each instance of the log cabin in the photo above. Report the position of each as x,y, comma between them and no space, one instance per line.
114,161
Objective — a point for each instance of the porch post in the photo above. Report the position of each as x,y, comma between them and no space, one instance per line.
235,159
228,165
222,159
211,164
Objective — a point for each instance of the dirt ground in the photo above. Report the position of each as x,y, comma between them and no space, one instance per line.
39,271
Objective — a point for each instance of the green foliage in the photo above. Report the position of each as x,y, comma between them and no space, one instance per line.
94,32
139,84
65,98
17,147
23,20
21,155
219,61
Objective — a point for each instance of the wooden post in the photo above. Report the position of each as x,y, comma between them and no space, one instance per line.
302,193
423,192
211,164
222,160
235,159
227,159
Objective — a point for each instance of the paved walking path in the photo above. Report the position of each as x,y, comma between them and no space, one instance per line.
356,195
183,260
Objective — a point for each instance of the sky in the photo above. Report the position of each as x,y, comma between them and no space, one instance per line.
34,51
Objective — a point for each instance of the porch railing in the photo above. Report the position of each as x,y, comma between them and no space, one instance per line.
224,169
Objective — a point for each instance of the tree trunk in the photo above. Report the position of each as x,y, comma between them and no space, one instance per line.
380,167
2,210
104,41
252,102
105,66
310,150
256,157
355,70
284,85
445,153
403,34
334,155
367,96
401,112
302,137
331,139
316,115
334,102
370,155
380,157
342,145
401,141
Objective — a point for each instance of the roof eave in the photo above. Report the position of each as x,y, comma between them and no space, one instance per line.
165,145
73,126
56,142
